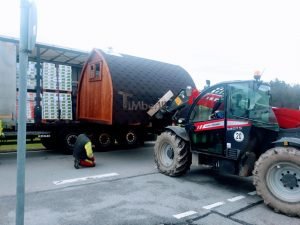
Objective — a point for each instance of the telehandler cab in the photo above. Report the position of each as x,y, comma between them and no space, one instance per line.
232,127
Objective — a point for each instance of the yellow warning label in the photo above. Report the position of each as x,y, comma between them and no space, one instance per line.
178,101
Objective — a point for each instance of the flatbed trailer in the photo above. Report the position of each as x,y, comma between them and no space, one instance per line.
103,93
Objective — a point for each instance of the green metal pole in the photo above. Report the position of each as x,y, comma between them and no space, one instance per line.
21,149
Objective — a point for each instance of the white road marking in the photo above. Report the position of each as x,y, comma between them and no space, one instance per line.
213,205
185,214
236,198
85,178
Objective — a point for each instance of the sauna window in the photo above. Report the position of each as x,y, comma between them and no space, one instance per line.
96,71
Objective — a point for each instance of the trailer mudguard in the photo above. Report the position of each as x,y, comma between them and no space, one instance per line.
179,131
288,141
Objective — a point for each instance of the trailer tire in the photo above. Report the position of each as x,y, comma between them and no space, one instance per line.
129,138
103,140
67,141
277,179
171,154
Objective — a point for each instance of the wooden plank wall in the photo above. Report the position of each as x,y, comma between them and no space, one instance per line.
95,95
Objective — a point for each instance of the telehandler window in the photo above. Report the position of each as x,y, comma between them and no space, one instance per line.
210,106
252,102
239,100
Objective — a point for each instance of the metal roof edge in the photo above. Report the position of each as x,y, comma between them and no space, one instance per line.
44,45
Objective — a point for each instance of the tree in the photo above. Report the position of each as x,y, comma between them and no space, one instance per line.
285,95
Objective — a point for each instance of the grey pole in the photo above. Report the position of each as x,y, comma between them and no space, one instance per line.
21,149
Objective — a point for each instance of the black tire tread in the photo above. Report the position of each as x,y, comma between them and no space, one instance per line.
261,166
183,156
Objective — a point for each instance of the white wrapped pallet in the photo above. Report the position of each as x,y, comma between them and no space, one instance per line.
65,78
50,106
49,76
61,81
64,86
31,75
49,85
48,66
65,106
50,80
30,105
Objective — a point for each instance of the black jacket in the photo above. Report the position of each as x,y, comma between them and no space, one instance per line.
79,150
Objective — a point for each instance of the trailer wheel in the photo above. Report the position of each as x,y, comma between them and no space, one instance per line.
103,140
129,138
171,154
277,179
67,141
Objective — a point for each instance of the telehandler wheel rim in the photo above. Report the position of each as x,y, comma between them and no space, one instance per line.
283,180
167,155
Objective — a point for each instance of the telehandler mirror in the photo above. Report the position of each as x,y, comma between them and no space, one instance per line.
207,83
188,91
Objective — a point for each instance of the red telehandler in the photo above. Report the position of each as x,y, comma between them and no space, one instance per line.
232,127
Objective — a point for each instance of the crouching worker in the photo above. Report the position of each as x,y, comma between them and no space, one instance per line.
83,152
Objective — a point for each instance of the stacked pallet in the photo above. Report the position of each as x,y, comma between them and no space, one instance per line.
49,76
31,86
30,105
57,87
64,78
65,104
31,75
50,106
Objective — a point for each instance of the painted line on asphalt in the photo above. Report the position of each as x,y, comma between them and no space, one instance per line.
237,198
85,178
185,214
213,205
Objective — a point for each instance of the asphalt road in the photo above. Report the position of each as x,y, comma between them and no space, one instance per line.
126,188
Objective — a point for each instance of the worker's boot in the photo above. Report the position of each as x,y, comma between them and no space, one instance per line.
76,164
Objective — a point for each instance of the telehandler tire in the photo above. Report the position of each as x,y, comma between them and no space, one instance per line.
277,179
172,155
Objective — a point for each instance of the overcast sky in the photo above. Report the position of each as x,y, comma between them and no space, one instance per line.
213,39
